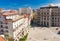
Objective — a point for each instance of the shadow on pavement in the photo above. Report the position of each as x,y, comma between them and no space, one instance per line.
34,24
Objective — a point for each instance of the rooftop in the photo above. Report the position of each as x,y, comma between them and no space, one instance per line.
1,38
11,12
50,6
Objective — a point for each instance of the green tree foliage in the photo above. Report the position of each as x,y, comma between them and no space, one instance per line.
24,38
9,38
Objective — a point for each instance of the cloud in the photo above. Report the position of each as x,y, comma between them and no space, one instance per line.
58,4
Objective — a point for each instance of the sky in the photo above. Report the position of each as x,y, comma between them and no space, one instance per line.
34,4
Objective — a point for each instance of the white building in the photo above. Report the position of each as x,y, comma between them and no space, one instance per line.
48,16
25,10
12,24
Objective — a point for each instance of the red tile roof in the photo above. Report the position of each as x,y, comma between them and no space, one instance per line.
11,12
1,38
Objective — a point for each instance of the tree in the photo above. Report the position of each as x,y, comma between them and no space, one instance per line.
24,38
9,38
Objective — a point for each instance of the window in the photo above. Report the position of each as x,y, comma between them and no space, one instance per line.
47,18
6,23
52,18
1,22
47,13
55,18
2,30
52,24
6,27
1,26
44,18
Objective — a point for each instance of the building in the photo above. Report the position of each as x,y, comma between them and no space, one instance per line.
48,16
25,10
13,25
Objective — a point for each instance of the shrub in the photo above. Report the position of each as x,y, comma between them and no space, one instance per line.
24,38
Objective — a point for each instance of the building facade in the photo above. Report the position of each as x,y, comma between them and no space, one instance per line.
48,16
13,24
25,10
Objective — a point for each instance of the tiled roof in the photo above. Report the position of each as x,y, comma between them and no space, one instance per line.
1,38
11,12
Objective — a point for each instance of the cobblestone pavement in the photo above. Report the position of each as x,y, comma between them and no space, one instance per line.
42,34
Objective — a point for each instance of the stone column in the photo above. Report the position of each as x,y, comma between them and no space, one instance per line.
50,17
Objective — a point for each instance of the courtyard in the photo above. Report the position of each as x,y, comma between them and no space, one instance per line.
43,34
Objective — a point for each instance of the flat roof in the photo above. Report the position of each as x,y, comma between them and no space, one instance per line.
49,7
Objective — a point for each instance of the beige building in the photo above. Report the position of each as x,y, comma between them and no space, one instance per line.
48,16
25,10
13,24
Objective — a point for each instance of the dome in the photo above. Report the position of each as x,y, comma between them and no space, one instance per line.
51,5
